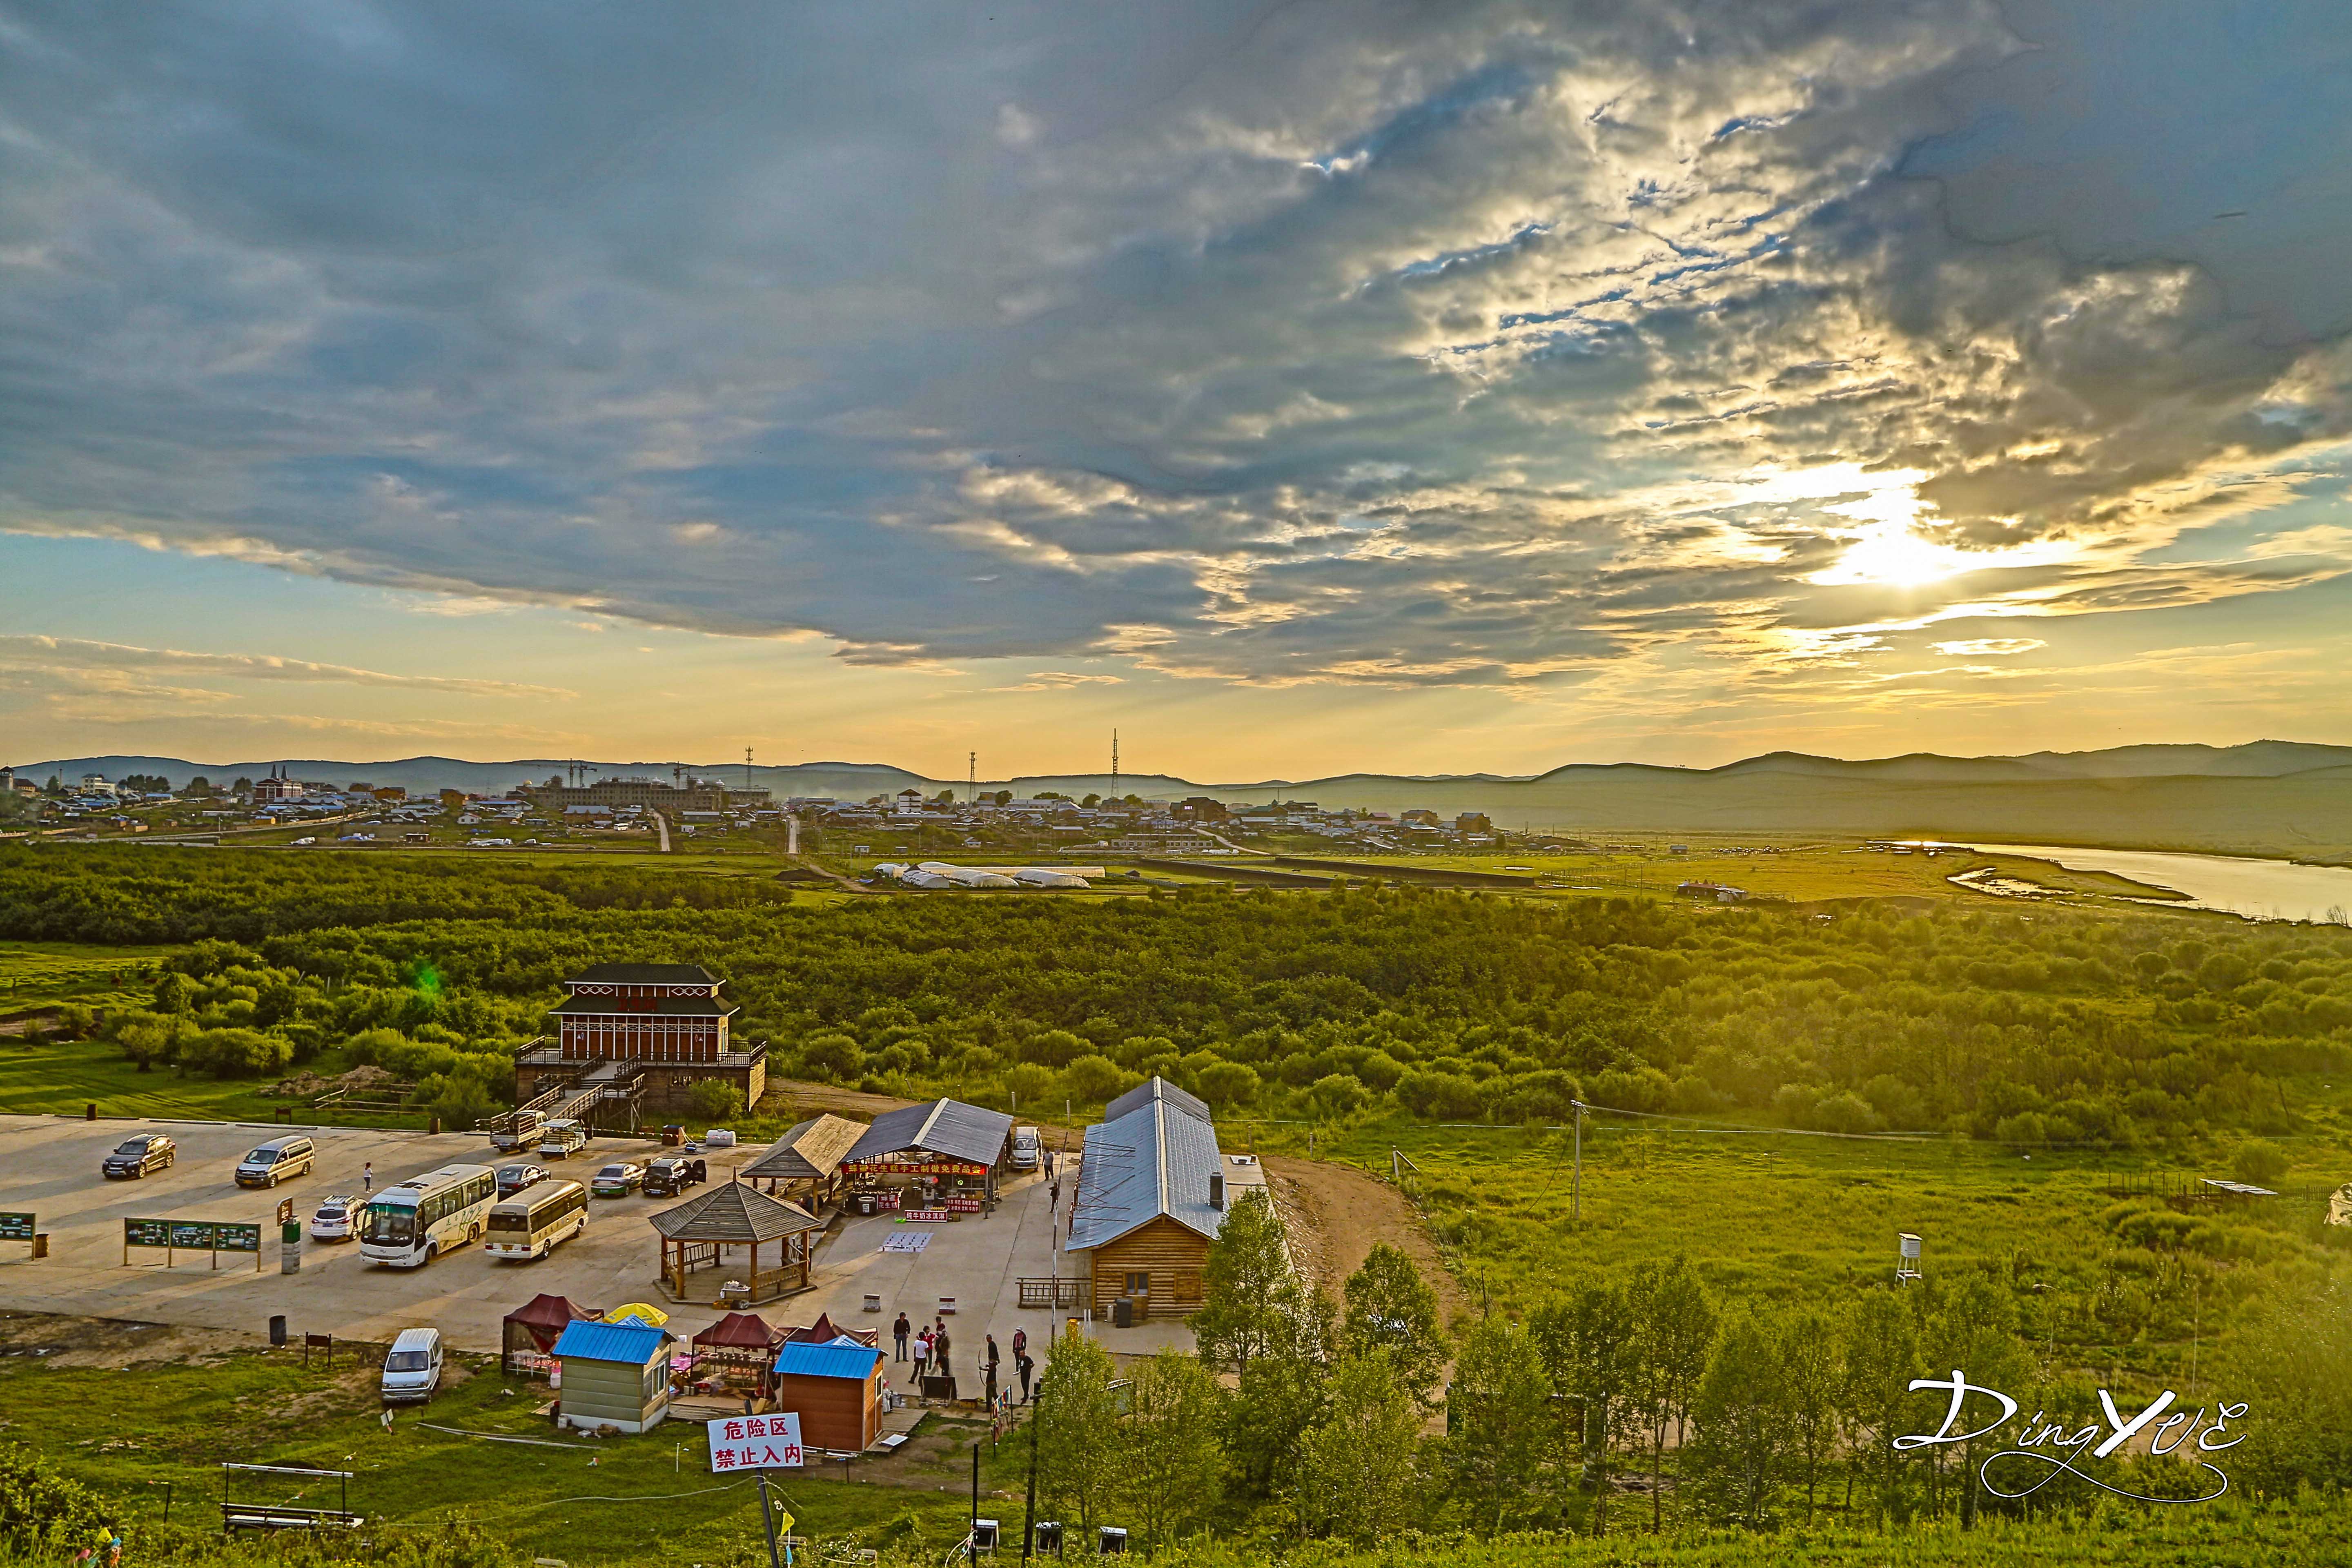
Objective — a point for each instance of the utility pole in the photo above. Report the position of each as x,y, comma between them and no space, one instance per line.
1029,1509
1114,762
971,777
747,770
1576,1183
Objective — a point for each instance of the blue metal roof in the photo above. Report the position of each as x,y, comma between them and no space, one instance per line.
831,1360
1154,1158
633,1343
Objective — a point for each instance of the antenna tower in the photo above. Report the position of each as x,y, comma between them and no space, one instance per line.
1114,762
747,770
971,781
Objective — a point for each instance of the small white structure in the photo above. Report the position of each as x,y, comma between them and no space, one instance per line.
1907,1258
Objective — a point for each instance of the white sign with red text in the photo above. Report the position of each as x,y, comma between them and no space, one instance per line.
756,1442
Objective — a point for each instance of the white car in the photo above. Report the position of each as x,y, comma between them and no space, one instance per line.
334,1220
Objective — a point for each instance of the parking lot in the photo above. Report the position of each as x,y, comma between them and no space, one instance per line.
50,1166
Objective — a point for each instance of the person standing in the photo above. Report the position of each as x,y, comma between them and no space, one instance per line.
1020,1343
367,1178
923,1354
939,1349
1024,1366
898,1332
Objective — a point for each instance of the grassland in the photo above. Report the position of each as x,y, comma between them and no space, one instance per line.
134,1427
44,974
1784,1218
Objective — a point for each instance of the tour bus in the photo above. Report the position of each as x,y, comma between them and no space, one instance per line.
530,1223
413,1222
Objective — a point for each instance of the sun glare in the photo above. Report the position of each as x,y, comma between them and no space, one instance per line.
1891,555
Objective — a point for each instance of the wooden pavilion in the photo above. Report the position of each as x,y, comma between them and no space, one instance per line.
806,1161
734,1217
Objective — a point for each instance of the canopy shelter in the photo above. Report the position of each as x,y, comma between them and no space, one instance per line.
740,1348
945,1140
806,1161
735,1226
824,1332
528,1333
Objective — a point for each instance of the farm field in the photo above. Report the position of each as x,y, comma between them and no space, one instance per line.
42,973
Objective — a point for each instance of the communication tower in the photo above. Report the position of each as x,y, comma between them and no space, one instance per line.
1114,762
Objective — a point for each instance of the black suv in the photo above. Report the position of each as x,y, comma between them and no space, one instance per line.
137,1156
672,1174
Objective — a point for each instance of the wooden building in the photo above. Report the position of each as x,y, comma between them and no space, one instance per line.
836,1388
945,1145
646,1033
806,1163
613,1374
1153,1192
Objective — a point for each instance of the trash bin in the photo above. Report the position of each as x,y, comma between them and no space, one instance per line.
1122,1311
278,1331
89,1112
40,1244
1113,1541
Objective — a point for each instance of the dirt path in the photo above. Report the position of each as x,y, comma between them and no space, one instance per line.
1340,1213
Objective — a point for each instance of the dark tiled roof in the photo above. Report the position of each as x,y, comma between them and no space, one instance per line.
735,1212
944,1126
646,975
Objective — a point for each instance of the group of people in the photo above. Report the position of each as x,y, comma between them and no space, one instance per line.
932,1347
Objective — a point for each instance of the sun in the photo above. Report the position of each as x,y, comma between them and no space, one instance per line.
1892,555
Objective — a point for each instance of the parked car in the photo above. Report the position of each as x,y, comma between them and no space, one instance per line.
137,1156
559,1139
279,1160
672,1174
514,1178
1027,1145
412,1368
334,1220
618,1180
520,1132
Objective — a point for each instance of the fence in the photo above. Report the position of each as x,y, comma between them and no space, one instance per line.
1050,1292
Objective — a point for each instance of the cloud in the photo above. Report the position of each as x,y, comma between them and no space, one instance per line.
76,659
1981,647
1499,344
1059,681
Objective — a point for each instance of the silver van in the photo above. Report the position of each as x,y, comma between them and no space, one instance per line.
1027,1145
412,1368
279,1160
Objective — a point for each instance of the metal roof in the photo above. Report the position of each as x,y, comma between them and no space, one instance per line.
946,1127
733,1213
832,1359
633,1343
646,975
1154,1160
811,1148
1156,1089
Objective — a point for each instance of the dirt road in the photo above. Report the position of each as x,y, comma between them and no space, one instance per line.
1338,1212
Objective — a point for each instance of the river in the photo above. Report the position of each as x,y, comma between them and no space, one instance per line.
2258,890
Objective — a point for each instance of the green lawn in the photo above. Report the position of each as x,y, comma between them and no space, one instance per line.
587,1502
40,973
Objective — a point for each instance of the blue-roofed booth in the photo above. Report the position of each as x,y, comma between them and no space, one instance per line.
613,1374
1153,1192
836,1388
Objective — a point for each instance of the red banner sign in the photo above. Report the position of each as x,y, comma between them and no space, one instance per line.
923,1213
887,1166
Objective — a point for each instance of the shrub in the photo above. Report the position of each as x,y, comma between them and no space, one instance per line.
2259,1161
715,1100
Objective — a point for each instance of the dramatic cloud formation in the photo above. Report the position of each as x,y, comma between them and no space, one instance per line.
1663,350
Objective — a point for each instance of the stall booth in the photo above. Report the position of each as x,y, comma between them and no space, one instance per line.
929,1160
737,1352
804,1164
753,1240
836,1389
613,1374
528,1335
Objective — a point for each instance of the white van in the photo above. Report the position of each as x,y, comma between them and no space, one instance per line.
279,1160
1026,1147
412,1368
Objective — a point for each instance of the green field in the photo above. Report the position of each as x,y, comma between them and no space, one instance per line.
42,973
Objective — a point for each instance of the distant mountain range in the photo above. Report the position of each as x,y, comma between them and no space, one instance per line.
2266,797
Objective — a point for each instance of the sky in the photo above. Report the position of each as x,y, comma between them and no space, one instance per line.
1296,387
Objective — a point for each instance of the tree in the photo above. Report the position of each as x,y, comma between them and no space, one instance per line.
2259,1161
833,1054
1227,1086
1359,1466
1810,1374
1739,1422
1674,1320
1094,1081
1391,1308
1078,1433
1251,1301
1881,1356
1975,1329
1588,1345
1498,1416
1281,1399
1171,1447
713,1100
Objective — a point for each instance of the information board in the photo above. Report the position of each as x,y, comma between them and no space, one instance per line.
233,1238
15,1228
192,1235
146,1232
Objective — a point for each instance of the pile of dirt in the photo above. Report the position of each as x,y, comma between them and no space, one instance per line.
108,1341
1334,1214
307,1085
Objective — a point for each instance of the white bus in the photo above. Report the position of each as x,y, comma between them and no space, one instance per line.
530,1223
414,1222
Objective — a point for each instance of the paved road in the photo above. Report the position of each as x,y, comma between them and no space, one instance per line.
50,1166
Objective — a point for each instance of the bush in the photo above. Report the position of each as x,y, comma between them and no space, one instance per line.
1094,1081
36,1502
715,1100
2259,1161
237,1053
1338,1094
